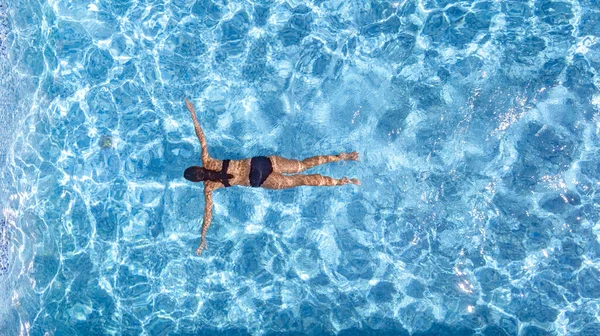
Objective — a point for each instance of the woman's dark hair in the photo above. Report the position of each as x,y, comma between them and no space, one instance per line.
199,174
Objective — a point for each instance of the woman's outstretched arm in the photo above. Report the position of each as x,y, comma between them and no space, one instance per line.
199,133
207,217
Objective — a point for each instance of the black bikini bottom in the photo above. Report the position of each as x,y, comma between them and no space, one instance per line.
260,169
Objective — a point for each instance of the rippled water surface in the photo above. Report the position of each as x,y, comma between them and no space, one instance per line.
477,123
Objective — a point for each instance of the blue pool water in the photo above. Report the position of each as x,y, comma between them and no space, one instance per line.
477,122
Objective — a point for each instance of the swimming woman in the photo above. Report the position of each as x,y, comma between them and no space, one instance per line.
259,171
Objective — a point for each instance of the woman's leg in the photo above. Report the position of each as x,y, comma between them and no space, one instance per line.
279,181
290,166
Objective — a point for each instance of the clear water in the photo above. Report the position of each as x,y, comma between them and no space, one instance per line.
477,123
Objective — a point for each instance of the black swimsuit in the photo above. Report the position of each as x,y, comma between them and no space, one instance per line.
260,169
224,179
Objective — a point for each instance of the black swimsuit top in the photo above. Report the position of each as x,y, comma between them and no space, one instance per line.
224,179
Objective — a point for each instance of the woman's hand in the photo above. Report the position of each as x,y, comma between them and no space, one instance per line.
202,247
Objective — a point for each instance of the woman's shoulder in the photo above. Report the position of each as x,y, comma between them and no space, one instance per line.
216,164
213,164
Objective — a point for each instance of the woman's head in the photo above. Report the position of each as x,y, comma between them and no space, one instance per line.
195,174
199,174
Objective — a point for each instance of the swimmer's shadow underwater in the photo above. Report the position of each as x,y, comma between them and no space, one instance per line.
259,171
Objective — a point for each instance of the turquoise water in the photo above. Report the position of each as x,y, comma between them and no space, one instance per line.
477,124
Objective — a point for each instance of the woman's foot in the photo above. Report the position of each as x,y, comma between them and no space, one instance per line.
349,156
346,180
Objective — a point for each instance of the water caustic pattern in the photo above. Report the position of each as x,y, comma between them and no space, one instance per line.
477,124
